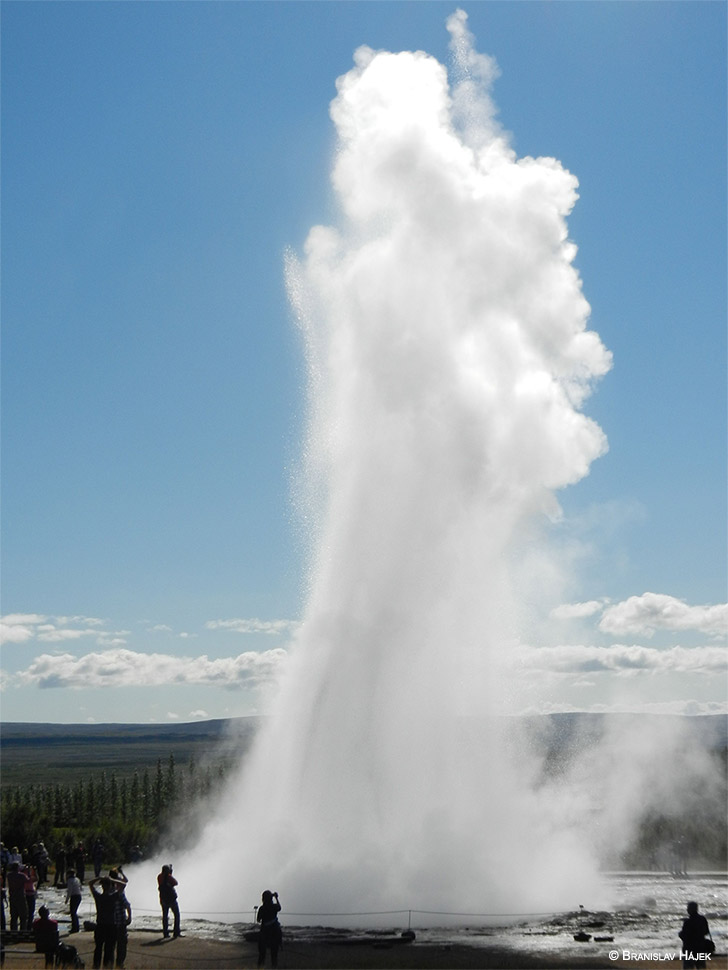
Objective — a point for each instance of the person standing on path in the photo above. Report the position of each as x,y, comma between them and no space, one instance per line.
105,932
122,915
73,898
696,939
270,929
168,900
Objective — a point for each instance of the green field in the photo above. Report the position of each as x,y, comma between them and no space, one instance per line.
62,754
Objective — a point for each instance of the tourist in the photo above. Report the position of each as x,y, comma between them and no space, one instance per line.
41,860
270,929
79,858
31,892
168,900
73,898
45,934
60,865
97,854
16,880
697,942
122,915
105,932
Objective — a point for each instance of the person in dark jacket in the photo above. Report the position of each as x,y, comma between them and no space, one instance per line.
694,935
105,932
122,915
60,863
270,929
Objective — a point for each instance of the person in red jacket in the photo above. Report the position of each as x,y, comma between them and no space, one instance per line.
168,900
45,934
17,882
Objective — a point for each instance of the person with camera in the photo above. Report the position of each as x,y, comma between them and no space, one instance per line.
105,930
122,915
271,934
168,900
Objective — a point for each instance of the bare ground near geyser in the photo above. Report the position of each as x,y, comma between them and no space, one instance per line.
193,953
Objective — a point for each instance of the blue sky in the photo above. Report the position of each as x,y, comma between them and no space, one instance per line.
158,159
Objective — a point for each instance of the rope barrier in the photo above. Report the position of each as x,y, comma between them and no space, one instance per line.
380,912
434,912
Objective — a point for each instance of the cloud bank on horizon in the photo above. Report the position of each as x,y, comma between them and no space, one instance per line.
569,667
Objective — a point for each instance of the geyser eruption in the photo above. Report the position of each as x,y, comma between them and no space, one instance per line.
448,357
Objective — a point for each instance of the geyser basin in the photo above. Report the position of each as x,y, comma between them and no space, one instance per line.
448,354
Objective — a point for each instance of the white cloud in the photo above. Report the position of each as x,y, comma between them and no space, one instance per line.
574,611
86,620
48,633
625,660
253,625
125,668
202,715
19,627
117,639
166,628
23,627
657,611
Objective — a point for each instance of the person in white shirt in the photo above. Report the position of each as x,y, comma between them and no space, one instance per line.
73,898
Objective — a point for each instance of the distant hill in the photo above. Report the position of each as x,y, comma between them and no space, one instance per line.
62,753
567,730
19,732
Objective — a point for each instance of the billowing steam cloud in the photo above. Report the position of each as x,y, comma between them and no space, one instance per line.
445,332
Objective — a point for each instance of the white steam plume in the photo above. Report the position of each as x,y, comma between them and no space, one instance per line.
445,330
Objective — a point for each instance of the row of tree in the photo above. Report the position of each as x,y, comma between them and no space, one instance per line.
124,812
